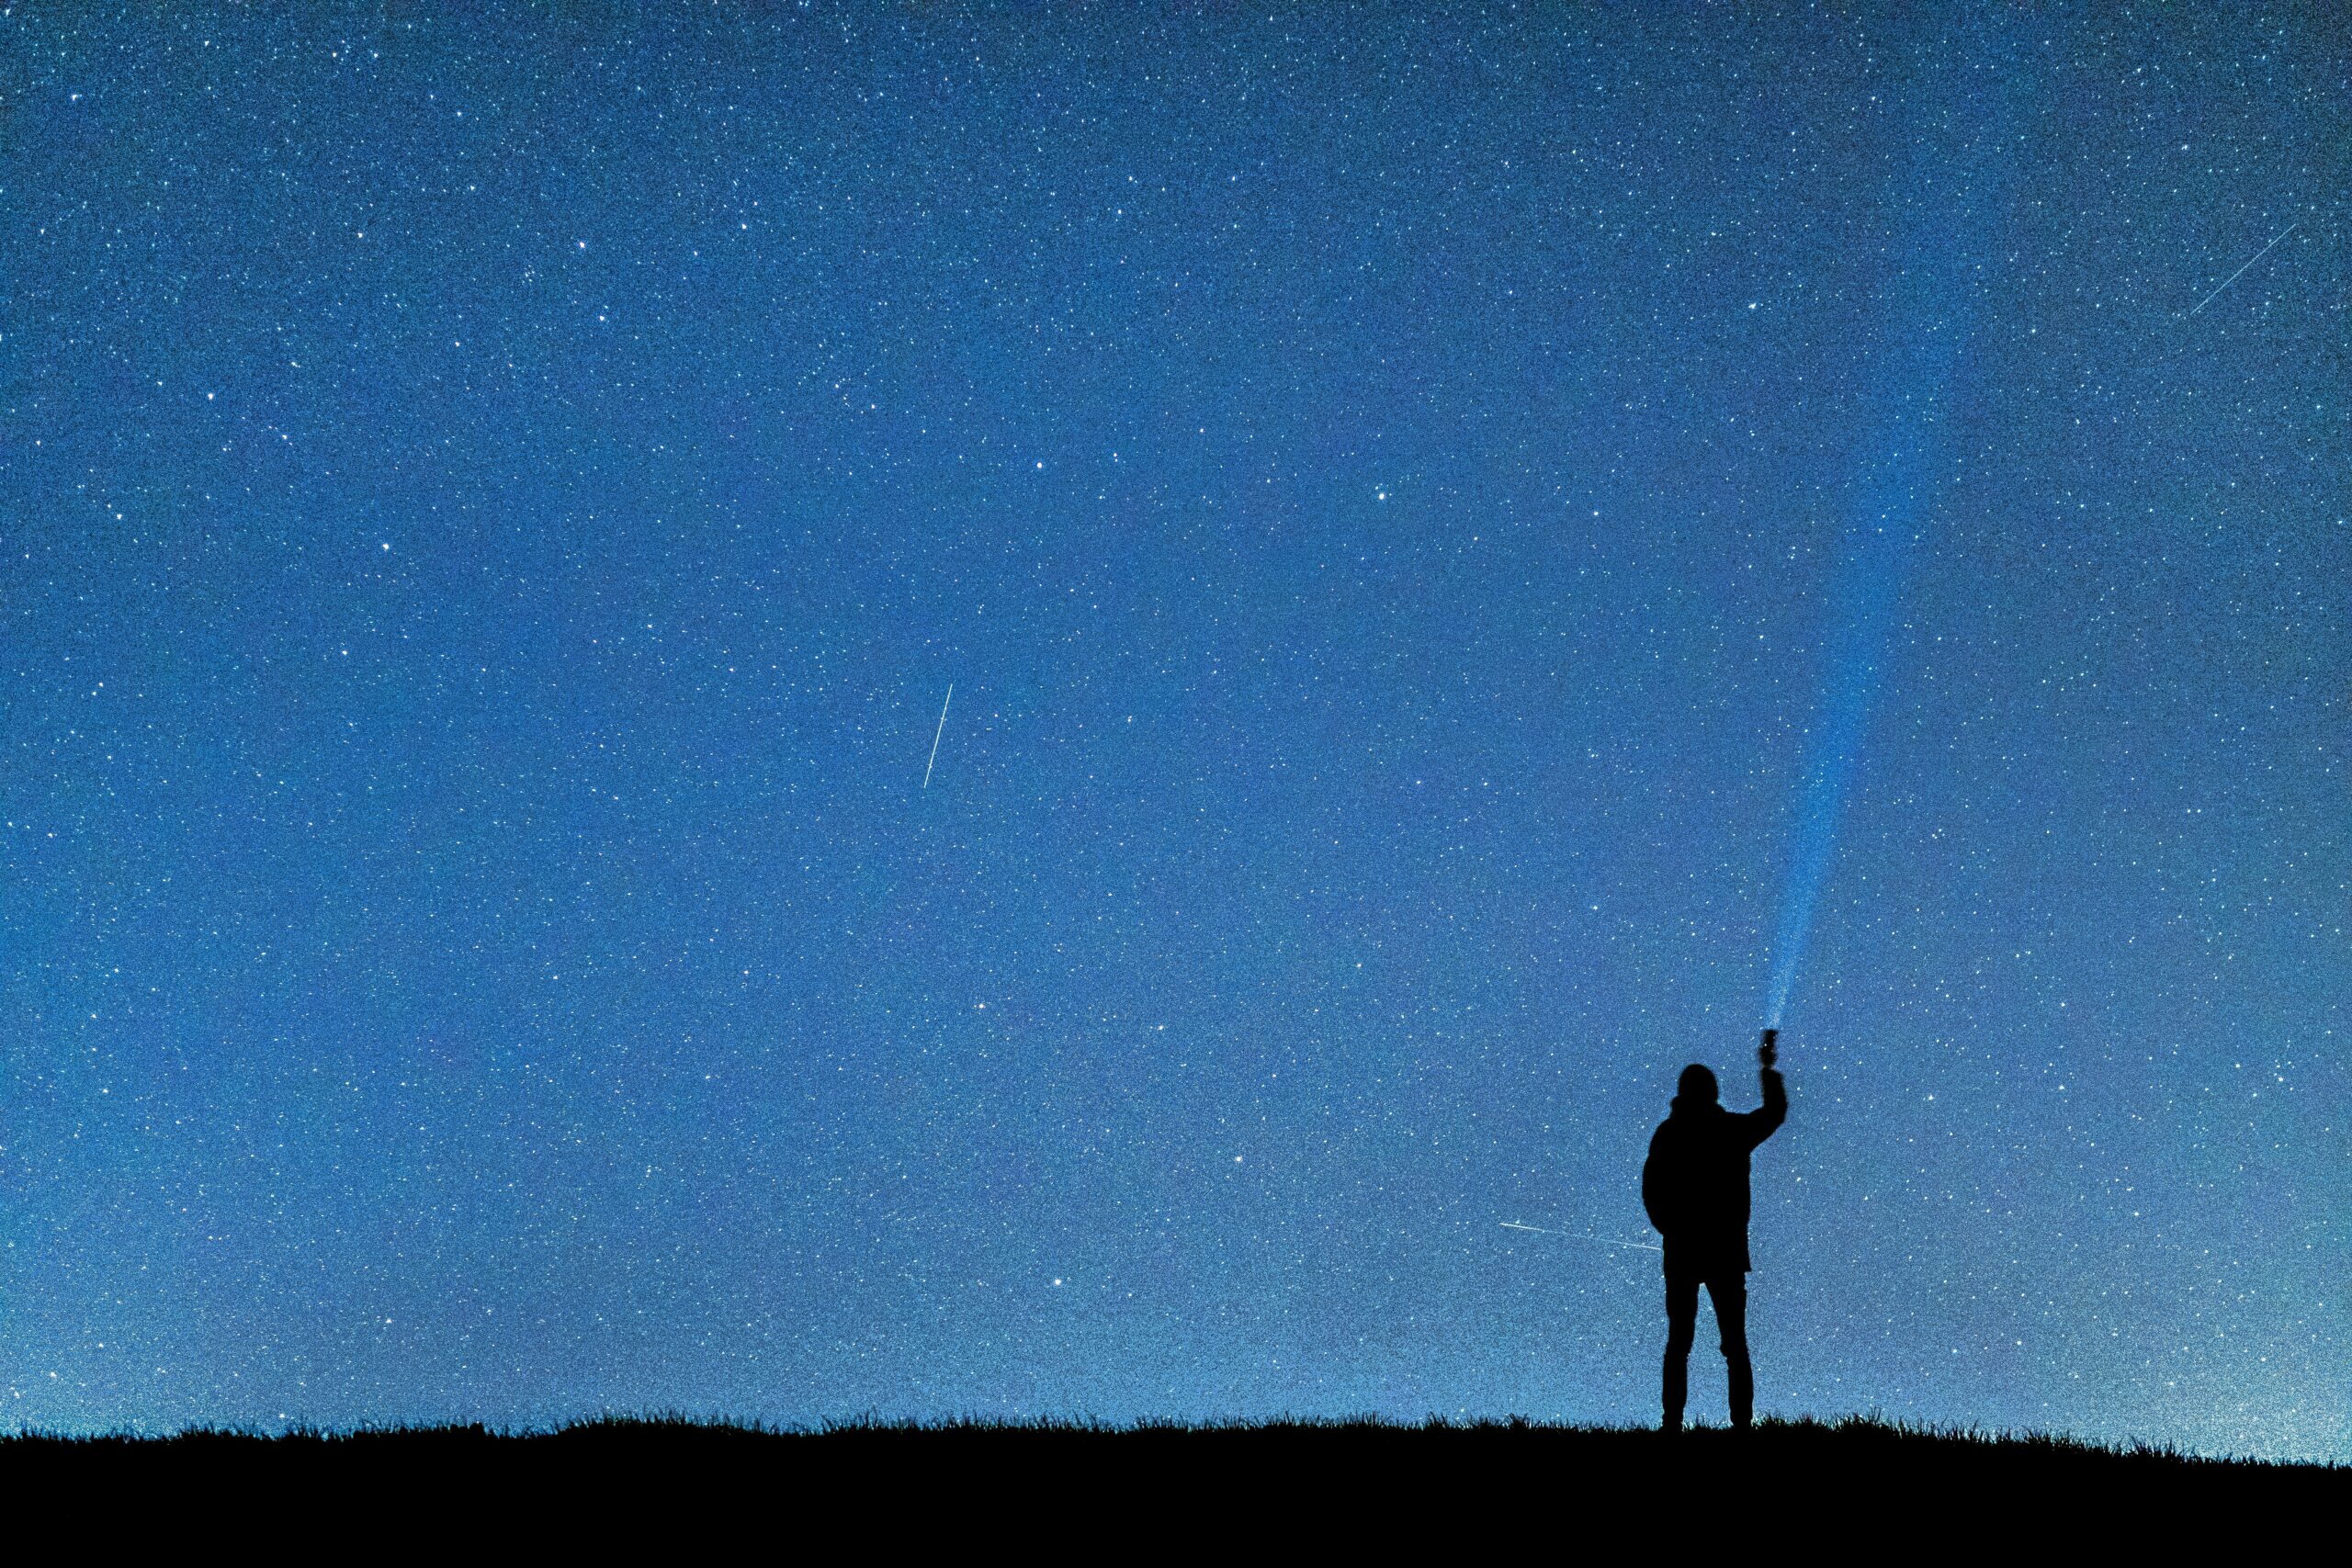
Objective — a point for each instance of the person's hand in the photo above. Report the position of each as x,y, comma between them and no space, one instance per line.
1770,1052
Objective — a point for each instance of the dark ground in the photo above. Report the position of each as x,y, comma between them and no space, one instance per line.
1120,1491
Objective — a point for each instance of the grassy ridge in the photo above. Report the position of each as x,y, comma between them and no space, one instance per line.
1854,1442
674,1489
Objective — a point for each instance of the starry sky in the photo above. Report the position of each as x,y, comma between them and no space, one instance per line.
491,511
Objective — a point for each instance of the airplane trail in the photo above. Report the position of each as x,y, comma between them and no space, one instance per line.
936,734
1579,1236
2241,272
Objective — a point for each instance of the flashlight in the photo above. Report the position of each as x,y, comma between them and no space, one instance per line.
1771,1048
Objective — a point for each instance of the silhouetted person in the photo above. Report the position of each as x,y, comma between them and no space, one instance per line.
1694,1185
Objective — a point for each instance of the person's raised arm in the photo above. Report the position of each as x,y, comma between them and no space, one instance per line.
1762,1124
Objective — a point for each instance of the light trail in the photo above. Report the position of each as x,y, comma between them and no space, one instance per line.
2242,271
936,734
1580,1236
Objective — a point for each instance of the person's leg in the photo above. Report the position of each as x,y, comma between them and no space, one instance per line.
1729,1294
1681,1326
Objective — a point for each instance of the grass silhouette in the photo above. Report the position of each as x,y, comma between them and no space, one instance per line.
1868,1442
666,1484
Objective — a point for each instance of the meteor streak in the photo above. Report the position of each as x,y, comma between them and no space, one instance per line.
1580,1236
2241,272
936,734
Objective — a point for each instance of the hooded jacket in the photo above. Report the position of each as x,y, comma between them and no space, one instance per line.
1694,1183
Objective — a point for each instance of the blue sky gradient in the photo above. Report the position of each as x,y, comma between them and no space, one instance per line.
492,510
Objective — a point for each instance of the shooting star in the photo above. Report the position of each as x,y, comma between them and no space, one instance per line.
1579,1236
2241,272
936,734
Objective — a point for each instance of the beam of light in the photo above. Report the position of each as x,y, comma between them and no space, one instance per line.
1930,293
1878,565
936,734
2242,271
1891,499
1579,1236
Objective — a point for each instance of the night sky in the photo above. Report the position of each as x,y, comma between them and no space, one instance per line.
491,511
